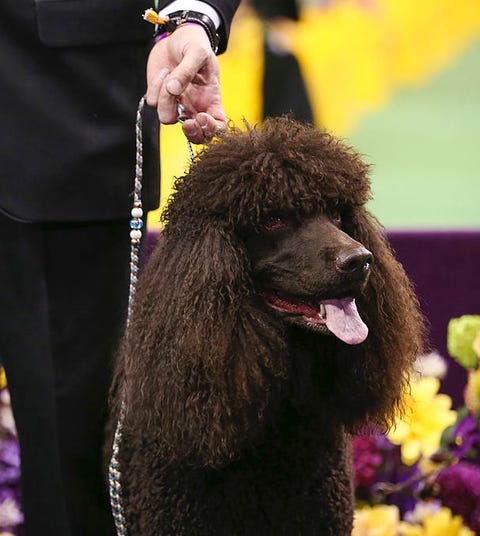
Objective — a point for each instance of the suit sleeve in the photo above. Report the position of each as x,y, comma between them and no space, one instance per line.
226,10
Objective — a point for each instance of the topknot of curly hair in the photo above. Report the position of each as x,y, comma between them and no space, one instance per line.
280,166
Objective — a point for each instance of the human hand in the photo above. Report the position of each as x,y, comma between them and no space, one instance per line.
182,67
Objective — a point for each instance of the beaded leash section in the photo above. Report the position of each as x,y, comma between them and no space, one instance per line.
136,225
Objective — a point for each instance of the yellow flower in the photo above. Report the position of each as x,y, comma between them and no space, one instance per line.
427,415
441,523
405,529
445,523
380,520
3,381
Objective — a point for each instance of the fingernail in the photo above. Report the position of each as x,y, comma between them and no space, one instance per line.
202,121
173,87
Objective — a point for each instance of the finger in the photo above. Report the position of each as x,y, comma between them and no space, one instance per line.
203,128
174,89
193,131
211,125
167,109
186,70
154,87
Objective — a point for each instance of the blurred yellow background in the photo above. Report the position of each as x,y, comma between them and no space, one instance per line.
354,55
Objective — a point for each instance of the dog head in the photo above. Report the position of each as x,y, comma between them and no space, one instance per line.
268,236
310,273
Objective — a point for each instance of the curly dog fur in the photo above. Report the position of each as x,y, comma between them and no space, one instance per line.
240,402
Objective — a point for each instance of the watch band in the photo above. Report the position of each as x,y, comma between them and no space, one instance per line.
178,18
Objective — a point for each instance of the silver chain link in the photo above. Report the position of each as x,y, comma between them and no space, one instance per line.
182,116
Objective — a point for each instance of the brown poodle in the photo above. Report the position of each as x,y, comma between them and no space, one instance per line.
271,321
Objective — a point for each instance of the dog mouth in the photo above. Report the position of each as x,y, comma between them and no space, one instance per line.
337,315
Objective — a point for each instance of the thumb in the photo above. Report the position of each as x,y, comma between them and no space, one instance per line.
179,78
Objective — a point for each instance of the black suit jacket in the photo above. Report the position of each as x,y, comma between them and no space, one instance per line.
71,75
269,9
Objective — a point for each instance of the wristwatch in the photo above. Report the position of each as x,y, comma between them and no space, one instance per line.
177,18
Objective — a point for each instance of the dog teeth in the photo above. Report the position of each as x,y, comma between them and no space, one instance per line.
323,312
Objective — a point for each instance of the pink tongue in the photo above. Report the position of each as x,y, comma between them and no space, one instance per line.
344,321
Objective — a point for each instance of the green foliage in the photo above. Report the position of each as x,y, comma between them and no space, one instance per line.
461,333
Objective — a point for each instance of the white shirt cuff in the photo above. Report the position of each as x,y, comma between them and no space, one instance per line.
193,5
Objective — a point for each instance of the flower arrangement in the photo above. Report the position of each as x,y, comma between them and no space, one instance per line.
422,478
11,517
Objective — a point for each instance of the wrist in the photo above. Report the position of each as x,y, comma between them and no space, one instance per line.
181,18
160,36
192,5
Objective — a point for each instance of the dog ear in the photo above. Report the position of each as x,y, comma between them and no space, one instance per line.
198,354
390,308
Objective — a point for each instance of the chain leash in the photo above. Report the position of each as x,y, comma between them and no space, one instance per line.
182,116
136,225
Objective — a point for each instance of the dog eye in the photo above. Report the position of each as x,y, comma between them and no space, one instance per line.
272,224
337,219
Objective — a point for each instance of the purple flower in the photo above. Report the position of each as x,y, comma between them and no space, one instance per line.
401,479
10,452
459,489
380,474
366,459
466,439
11,516
9,461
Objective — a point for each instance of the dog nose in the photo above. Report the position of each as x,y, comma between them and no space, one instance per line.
354,262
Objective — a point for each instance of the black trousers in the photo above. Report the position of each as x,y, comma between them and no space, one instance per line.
63,294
